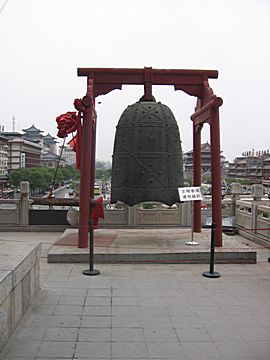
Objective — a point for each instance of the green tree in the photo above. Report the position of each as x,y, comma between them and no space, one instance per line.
103,174
19,175
41,178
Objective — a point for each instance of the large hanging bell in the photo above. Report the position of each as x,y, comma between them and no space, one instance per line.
147,158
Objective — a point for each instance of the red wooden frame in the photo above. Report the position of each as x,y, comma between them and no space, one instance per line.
193,82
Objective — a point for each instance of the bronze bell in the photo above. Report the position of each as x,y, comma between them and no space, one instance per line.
147,158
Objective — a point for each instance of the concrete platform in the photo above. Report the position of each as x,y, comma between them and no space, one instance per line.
151,246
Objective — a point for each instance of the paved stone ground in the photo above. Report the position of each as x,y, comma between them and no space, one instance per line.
146,312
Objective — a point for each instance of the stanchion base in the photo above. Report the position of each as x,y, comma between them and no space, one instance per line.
91,272
192,243
208,274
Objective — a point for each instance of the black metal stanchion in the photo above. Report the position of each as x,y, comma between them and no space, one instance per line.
211,273
91,271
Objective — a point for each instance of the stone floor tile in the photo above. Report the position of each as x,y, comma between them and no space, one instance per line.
241,321
160,335
187,322
55,358
124,292
164,350
99,292
56,349
54,285
234,309
255,334
149,310
43,309
96,321
226,300
224,334
235,349
68,310
38,320
24,348
93,350
73,284
180,310
95,334
65,321
192,334
30,332
201,300
260,348
128,334
126,322
98,300
122,310
46,298
97,310
200,350
61,334
152,301
128,350
101,283
156,321
215,321
125,300
74,292
71,300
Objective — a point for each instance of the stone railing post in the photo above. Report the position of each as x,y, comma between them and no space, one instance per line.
24,203
77,188
235,191
257,193
132,215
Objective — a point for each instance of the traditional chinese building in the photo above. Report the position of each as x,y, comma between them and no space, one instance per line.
205,160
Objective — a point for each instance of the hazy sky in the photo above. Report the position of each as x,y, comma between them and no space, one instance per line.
43,42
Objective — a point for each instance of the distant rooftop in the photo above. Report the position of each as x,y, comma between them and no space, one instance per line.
32,129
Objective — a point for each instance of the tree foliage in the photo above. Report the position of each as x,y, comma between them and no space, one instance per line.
41,178
103,174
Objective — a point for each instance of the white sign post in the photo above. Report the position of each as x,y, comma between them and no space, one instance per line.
190,194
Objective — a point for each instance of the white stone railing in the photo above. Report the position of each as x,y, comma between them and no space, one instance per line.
252,217
253,220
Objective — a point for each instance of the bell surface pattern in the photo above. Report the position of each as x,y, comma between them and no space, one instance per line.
147,158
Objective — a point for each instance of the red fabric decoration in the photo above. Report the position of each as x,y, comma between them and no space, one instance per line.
97,212
66,124
78,104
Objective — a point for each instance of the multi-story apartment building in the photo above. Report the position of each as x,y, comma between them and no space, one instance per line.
69,155
31,149
52,160
266,171
3,161
23,153
255,169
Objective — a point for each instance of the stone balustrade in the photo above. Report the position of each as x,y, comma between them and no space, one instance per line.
19,283
251,214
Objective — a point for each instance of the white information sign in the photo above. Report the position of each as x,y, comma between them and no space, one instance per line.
191,193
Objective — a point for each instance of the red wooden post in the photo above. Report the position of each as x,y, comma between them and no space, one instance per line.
93,158
196,175
216,175
86,157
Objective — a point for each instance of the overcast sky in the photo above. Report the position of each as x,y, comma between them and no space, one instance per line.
43,42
